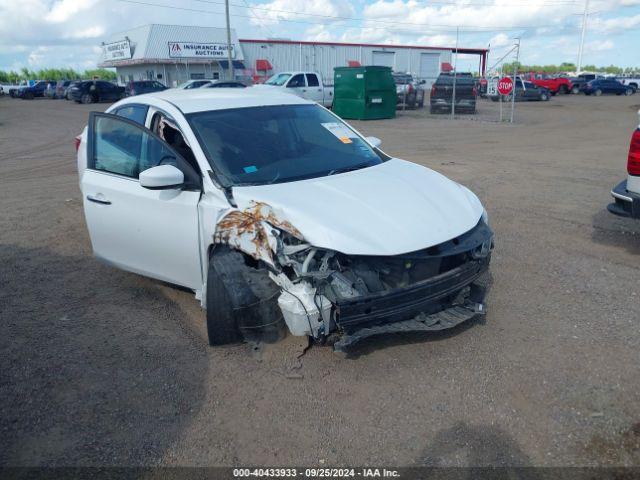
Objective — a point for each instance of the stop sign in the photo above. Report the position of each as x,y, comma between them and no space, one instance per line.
505,86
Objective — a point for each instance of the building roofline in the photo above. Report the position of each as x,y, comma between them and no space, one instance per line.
376,45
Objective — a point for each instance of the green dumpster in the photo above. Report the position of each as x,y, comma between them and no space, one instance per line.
364,93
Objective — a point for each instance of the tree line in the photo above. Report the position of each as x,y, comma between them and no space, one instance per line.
13,77
568,67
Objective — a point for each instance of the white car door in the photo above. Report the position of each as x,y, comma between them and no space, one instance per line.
297,85
314,90
150,232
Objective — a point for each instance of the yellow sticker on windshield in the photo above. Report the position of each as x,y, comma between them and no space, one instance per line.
345,140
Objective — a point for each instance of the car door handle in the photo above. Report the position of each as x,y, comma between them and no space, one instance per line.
101,201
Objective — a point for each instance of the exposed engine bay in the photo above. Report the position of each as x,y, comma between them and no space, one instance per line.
323,292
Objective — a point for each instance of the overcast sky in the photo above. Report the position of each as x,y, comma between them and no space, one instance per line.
67,33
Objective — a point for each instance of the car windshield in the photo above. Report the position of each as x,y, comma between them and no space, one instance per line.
276,144
278,79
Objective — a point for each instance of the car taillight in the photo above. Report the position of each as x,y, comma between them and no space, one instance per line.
633,163
77,140
475,91
410,88
433,89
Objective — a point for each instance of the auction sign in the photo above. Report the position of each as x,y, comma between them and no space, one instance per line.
116,51
199,50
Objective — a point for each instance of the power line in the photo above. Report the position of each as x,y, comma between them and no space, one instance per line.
338,17
424,25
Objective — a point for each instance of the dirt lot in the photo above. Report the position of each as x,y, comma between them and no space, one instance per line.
102,367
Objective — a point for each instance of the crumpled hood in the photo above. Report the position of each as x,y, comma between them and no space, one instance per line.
392,208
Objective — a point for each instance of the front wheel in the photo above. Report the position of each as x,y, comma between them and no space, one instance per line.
86,99
628,92
544,97
564,89
221,325
598,92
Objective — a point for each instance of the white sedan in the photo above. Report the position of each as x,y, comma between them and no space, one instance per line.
279,215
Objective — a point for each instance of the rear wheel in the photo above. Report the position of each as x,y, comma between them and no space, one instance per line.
564,89
628,92
544,97
575,90
598,92
86,98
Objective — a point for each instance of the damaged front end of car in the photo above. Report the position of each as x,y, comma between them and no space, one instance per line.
331,296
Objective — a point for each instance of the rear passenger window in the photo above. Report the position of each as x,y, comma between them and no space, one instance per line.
312,80
126,149
137,113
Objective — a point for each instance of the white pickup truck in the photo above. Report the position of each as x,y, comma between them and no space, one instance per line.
278,215
633,82
307,85
626,194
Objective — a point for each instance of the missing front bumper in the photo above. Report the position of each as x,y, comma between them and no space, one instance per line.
439,304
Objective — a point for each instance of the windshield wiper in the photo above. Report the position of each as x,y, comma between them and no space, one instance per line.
348,169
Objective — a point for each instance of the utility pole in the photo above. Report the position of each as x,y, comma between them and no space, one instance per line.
515,80
229,45
584,30
455,74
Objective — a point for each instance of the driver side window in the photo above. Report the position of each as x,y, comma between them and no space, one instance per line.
127,149
296,81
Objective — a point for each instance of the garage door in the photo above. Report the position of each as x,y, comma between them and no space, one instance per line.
429,67
384,59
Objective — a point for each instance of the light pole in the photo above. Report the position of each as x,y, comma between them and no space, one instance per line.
229,46
584,30
515,80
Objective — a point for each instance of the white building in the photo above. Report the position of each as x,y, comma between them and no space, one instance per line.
173,54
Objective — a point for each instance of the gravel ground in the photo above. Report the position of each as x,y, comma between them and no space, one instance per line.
103,367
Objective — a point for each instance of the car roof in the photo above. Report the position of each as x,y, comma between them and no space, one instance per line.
202,100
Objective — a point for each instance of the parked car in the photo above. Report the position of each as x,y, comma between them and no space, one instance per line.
140,87
14,90
66,94
630,81
226,84
553,84
283,216
606,85
38,89
94,91
466,94
307,85
525,92
626,194
59,89
410,92
191,84
581,80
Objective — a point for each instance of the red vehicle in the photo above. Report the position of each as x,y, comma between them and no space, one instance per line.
553,84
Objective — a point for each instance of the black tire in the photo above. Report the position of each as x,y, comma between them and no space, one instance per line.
575,90
86,98
598,92
28,96
564,89
222,328
628,91
544,97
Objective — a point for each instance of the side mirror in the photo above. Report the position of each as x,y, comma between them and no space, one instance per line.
375,142
162,177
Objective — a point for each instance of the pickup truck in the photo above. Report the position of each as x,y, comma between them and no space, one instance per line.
278,215
578,83
553,84
633,82
441,96
626,194
308,85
